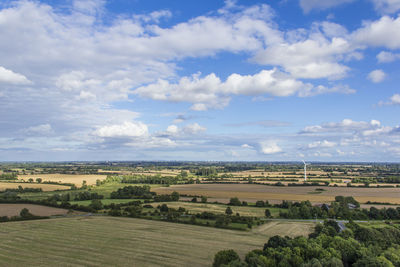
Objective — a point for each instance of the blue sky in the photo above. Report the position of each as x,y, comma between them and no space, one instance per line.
200,80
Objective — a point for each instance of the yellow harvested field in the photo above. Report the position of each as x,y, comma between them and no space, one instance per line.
252,192
286,228
14,210
116,241
215,208
45,187
66,178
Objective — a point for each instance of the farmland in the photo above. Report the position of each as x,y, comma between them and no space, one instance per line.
218,208
101,241
76,179
14,210
252,193
44,187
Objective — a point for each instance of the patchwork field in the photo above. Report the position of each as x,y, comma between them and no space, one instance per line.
251,192
215,208
14,210
66,178
112,241
45,187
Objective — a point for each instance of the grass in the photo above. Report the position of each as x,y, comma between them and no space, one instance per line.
107,201
219,208
115,241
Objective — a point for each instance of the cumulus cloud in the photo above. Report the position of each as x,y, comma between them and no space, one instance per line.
9,77
269,147
127,129
314,54
394,100
386,57
321,144
308,5
386,6
211,92
384,32
377,76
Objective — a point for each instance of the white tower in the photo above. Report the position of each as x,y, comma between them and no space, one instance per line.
305,171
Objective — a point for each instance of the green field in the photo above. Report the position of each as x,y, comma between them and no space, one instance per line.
116,241
219,208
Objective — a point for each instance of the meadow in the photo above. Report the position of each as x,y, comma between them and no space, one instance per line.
252,192
116,241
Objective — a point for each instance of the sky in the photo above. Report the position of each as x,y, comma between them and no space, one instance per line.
210,80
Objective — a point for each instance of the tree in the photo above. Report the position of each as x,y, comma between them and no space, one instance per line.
84,184
96,204
25,213
38,180
225,257
203,199
234,201
30,180
228,211
268,213
175,196
164,208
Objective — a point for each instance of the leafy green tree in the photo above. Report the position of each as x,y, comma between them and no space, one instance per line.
96,204
203,199
175,196
38,180
228,211
225,257
268,213
25,213
234,201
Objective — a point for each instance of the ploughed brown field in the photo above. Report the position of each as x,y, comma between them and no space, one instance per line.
10,210
252,192
45,187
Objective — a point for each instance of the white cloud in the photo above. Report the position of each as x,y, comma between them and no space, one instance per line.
246,146
321,144
308,5
211,92
314,54
377,76
127,129
386,6
172,129
269,147
193,129
386,57
9,77
394,100
346,125
384,32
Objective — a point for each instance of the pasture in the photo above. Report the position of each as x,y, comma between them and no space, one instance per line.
252,192
10,210
45,187
115,241
76,179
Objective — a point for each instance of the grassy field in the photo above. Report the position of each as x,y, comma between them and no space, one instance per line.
45,187
107,201
252,193
65,178
115,241
218,208
14,210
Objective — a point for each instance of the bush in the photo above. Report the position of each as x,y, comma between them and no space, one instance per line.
225,257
